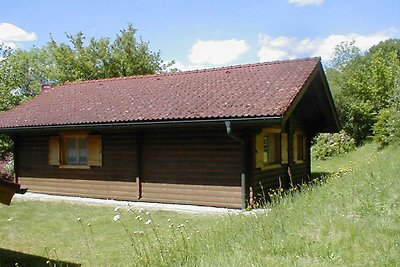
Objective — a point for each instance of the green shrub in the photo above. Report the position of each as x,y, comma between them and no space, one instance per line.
327,145
387,127
5,146
9,168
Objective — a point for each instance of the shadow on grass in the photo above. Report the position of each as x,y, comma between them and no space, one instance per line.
10,258
321,176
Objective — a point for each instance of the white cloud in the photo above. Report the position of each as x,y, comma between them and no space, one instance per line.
217,52
183,67
284,47
12,35
306,2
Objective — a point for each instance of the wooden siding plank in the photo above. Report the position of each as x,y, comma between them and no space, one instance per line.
86,188
221,196
194,202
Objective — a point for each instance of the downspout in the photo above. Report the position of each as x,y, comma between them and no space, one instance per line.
242,142
15,157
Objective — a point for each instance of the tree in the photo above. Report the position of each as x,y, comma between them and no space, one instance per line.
23,72
344,53
343,59
20,77
365,83
387,127
125,56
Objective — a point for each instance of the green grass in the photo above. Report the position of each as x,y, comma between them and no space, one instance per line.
350,218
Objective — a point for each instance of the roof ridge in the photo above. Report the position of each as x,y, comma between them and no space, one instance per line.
205,70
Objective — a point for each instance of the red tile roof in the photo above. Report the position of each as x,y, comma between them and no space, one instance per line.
244,91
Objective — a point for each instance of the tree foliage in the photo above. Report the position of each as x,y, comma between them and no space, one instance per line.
100,58
23,72
387,127
364,85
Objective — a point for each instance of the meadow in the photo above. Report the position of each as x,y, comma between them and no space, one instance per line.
349,216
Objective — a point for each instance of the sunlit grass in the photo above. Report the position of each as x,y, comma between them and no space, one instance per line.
351,218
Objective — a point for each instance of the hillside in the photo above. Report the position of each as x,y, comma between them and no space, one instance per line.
349,218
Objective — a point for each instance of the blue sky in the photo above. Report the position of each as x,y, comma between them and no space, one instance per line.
208,33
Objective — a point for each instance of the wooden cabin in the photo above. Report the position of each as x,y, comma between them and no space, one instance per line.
217,137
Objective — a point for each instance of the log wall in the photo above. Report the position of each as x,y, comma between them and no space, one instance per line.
118,159
265,180
200,167
85,188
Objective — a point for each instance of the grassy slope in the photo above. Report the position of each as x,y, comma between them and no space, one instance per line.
353,219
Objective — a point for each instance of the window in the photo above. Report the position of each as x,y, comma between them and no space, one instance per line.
75,150
271,148
298,144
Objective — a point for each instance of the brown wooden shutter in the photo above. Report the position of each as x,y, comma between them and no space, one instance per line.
95,156
54,150
294,138
284,144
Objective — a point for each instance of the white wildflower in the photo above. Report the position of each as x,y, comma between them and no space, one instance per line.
116,218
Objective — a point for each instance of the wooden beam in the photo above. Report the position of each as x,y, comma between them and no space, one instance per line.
138,165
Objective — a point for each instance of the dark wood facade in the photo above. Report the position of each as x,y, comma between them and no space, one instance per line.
195,165
285,175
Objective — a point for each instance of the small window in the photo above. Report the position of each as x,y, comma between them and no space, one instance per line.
74,150
299,149
268,148
272,148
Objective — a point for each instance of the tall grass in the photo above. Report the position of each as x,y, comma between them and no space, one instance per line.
349,218
352,219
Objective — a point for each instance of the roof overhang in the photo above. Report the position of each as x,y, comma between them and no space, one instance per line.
246,121
314,105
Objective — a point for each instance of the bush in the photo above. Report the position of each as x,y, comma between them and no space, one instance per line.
327,145
386,129
5,146
9,168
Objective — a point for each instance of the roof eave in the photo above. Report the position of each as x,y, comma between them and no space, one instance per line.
317,71
142,124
